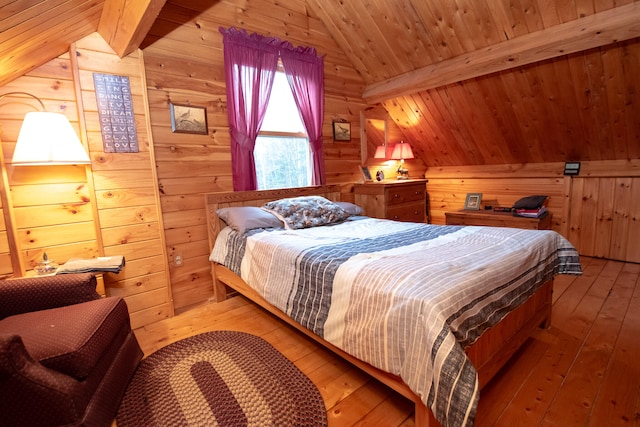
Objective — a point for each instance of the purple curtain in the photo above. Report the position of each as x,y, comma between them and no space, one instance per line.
250,63
305,73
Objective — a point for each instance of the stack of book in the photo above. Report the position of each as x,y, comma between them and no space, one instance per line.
531,207
531,213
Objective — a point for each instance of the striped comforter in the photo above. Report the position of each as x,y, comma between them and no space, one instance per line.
405,297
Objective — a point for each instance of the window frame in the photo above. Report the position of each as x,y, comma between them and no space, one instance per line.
285,134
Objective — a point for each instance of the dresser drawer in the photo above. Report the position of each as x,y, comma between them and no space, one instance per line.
397,200
405,194
411,212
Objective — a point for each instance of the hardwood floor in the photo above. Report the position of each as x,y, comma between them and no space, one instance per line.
582,371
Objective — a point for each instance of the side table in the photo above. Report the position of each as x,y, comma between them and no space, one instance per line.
497,219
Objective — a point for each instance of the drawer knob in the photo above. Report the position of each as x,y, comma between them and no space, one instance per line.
396,195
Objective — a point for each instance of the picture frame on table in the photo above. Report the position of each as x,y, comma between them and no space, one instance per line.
188,119
472,202
366,173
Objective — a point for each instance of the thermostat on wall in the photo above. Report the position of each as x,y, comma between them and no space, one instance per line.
572,168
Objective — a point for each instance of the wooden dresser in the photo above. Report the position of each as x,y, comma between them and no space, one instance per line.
497,219
403,200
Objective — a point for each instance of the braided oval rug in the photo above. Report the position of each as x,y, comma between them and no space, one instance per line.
220,378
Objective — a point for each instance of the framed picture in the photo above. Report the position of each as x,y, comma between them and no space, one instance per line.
188,119
341,131
472,202
366,173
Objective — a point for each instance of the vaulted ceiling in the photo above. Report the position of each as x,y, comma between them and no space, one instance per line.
499,81
468,81
33,32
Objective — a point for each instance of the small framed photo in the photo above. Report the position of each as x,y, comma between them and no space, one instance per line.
366,173
188,119
472,202
341,131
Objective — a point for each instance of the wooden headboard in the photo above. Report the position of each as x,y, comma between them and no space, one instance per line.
215,201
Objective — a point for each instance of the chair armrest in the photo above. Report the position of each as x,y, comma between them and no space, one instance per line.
26,384
40,293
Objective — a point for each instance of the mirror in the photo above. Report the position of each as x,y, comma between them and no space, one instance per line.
376,134
373,127
376,130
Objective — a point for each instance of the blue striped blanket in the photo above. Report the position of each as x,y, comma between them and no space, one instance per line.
406,298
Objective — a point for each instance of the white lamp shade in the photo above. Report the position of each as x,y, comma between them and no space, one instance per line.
48,139
402,151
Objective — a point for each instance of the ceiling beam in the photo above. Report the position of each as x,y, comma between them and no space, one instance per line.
611,26
124,24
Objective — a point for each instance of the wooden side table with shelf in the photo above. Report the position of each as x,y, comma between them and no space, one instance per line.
402,200
497,219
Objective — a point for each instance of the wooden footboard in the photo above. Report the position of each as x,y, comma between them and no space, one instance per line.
488,354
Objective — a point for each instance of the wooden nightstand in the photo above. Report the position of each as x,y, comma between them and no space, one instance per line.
498,219
403,200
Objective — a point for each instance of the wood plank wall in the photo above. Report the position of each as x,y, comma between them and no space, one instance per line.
52,206
109,208
184,65
500,186
6,266
126,192
10,259
605,211
598,211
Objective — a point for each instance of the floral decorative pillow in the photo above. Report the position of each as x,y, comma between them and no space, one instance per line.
306,211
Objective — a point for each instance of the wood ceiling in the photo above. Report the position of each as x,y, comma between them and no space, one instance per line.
33,32
481,81
499,81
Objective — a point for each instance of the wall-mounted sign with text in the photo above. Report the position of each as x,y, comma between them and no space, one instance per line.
115,111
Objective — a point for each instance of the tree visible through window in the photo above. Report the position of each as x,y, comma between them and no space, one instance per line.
282,156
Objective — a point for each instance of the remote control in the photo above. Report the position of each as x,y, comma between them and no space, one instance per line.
499,209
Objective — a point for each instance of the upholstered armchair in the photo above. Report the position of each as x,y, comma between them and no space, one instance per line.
66,355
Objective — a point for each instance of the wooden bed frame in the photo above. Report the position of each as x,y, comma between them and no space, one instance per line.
488,354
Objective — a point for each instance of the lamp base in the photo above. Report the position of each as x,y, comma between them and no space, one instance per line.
403,173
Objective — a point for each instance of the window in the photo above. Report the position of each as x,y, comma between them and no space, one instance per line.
281,153
246,55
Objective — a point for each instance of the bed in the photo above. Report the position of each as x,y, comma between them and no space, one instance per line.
438,349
